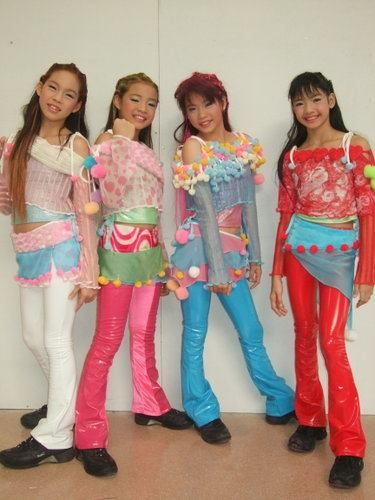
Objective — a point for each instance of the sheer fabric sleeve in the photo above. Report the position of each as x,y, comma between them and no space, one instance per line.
217,273
250,225
89,271
5,201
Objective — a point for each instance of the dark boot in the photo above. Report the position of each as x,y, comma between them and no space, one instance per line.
172,419
97,462
215,432
280,420
31,453
31,420
346,472
305,437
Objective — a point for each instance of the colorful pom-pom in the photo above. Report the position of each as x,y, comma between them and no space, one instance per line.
103,280
194,272
148,282
258,179
182,236
291,166
243,252
79,238
284,236
172,285
369,171
180,275
89,162
73,178
288,247
238,272
344,247
161,274
355,245
99,171
91,208
117,283
300,249
314,249
138,284
330,248
182,293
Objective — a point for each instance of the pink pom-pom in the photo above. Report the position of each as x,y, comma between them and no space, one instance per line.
96,196
79,238
182,236
344,247
258,179
288,247
73,178
314,249
301,249
182,293
98,171
243,252
330,248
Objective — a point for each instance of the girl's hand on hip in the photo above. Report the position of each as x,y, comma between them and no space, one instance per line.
255,274
276,296
364,293
83,295
225,289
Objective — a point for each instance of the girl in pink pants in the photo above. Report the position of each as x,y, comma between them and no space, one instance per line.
132,261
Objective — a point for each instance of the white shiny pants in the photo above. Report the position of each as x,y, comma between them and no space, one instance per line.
47,316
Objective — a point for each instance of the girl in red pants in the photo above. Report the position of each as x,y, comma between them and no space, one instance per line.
323,197
132,262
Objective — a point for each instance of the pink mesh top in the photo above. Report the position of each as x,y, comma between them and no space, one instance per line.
324,183
230,217
55,192
134,176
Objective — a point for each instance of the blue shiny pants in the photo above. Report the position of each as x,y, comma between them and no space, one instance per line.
199,401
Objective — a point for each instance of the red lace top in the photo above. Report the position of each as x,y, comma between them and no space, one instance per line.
325,183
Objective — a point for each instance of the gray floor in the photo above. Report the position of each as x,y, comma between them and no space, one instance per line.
156,463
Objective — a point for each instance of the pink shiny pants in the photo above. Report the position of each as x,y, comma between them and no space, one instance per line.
346,434
115,305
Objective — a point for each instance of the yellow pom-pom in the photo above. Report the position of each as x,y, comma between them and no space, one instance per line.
204,161
102,280
91,208
238,272
117,283
148,282
161,274
138,284
172,285
180,275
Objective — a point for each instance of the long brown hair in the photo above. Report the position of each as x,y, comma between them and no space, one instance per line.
122,86
32,117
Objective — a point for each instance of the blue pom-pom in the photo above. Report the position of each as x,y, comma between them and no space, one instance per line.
349,166
89,162
191,236
291,166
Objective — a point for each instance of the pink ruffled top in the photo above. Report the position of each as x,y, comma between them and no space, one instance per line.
324,183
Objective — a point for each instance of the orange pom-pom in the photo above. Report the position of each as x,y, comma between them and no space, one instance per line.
117,283
91,208
172,285
182,293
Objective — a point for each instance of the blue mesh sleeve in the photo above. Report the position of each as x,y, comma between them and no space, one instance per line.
206,216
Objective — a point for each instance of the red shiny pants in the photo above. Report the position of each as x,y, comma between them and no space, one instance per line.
115,305
346,434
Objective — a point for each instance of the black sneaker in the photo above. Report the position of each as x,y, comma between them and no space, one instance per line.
31,420
346,472
172,419
97,462
31,453
305,437
215,432
281,420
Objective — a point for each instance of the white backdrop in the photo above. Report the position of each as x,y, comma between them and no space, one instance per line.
256,47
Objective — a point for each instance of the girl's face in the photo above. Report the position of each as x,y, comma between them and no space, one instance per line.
312,110
59,96
205,116
138,105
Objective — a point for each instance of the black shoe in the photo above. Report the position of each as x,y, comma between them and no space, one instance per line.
305,437
346,472
31,420
173,419
31,453
215,432
97,462
282,420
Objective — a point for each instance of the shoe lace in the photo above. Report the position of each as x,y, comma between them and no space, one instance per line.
25,445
